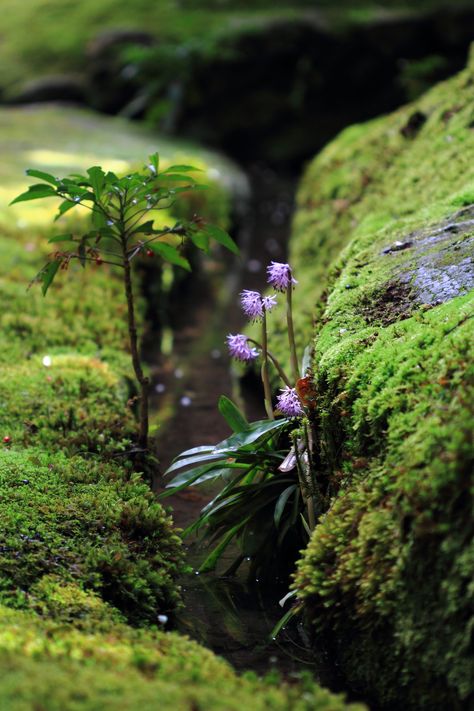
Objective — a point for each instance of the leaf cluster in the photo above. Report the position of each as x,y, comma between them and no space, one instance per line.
121,226
258,506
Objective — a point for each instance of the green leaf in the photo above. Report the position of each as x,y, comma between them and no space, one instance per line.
305,525
178,178
188,478
111,178
281,503
170,254
61,238
99,220
200,240
181,169
249,436
146,227
181,463
195,450
65,207
47,275
97,178
212,559
42,176
292,612
232,415
35,192
222,238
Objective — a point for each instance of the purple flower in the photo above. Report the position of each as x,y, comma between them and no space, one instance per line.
239,347
252,305
255,305
268,302
280,276
288,402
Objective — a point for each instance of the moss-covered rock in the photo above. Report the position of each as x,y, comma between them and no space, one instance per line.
386,579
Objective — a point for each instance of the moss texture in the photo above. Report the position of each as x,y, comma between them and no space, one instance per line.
88,558
387,576
47,665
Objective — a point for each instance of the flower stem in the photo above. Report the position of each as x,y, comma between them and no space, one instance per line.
291,334
265,376
275,362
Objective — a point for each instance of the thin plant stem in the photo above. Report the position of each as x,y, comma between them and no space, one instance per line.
275,362
143,381
265,376
291,334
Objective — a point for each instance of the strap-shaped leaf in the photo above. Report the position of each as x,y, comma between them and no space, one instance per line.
232,415
281,503
249,436
195,459
212,559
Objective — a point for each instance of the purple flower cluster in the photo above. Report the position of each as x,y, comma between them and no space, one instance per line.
288,402
239,347
255,305
280,276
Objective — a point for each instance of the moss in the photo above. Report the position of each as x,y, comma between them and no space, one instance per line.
82,522
385,578
49,665
76,403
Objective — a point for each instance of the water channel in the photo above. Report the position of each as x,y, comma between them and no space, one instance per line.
233,616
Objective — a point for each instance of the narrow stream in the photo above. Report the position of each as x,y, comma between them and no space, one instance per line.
230,615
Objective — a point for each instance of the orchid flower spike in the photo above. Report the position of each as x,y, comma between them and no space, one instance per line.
280,276
239,347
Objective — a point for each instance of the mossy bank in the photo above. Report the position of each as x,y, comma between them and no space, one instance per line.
88,558
382,247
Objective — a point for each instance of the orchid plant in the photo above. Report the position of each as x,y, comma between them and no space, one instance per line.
268,497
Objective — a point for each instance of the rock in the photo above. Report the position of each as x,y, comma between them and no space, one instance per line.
385,578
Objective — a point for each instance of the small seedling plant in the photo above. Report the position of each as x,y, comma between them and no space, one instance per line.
123,227
269,496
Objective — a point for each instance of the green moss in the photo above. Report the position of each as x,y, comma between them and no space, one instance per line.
49,665
386,576
82,522
76,403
